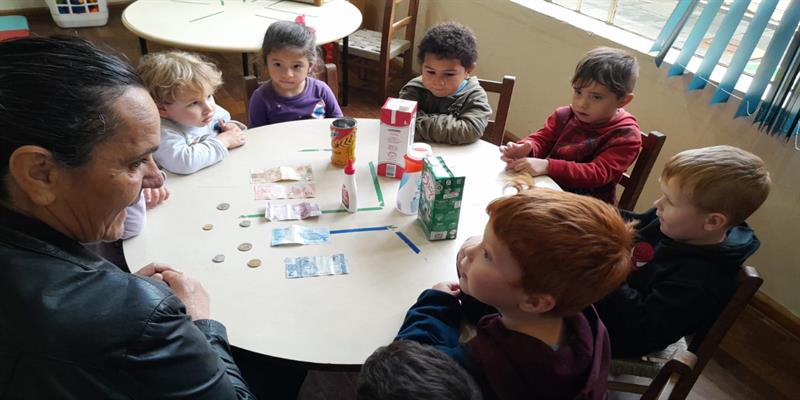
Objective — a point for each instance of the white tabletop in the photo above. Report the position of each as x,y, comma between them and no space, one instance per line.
233,25
325,320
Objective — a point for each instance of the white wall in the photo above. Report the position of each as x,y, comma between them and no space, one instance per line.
542,53
8,5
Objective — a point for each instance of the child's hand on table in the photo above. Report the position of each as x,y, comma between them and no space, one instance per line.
512,151
231,136
451,288
531,165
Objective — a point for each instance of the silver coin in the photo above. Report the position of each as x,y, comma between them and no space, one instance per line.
254,263
245,223
218,258
245,247
223,206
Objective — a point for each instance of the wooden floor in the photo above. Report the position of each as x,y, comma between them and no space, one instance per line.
723,378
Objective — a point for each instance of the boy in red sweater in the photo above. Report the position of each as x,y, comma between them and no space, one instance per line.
586,146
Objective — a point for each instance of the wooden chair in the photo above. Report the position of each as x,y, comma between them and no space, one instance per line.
634,182
328,74
496,130
670,376
703,344
371,50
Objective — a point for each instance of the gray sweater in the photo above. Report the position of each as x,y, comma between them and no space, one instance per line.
459,118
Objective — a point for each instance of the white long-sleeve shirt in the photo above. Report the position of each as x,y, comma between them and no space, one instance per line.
186,149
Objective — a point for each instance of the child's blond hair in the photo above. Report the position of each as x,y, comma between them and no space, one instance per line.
167,73
722,179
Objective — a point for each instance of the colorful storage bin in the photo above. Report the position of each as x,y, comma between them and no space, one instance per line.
78,13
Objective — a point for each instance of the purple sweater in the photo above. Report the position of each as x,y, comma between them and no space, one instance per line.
509,365
267,107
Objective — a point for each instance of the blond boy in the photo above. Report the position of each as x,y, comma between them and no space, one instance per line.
689,249
544,258
195,132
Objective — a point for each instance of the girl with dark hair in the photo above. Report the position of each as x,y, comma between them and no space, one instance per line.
289,53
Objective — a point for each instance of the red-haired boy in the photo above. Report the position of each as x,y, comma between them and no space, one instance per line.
544,258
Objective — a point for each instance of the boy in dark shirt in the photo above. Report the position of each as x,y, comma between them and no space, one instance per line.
689,250
544,258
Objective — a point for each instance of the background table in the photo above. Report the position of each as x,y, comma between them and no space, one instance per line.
235,25
323,320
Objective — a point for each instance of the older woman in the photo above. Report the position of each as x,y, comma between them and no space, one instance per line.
77,131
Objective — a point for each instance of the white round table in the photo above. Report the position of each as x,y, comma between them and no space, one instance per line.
320,321
235,25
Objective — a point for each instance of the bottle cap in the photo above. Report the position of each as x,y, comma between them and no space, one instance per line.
349,169
423,148
415,153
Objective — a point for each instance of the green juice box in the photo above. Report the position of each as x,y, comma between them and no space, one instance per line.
440,202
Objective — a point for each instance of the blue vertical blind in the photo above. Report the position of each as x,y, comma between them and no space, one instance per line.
773,93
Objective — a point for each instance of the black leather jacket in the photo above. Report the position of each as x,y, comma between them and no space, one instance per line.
72,325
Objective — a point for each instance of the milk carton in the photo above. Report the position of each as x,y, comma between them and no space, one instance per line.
440,202
398,117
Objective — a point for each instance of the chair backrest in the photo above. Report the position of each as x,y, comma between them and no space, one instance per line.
327,74
390,26
634,182
705,344
495,131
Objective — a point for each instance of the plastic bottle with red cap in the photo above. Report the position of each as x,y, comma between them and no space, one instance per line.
408,193
349,189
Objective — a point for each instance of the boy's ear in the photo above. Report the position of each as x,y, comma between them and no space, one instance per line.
537,303
162,111
715,222
625,100
470,69
35,173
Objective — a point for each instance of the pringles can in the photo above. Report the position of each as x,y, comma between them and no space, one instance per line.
343,141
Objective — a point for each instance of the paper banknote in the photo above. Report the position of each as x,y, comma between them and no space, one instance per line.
276,174
272,191
298,234
283,212
304,267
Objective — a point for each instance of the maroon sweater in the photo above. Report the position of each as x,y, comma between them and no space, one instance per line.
587,159
509,365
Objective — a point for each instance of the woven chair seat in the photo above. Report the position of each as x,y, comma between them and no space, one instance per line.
367,44
648,365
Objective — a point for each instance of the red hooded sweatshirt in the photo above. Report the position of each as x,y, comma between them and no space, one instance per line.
587,159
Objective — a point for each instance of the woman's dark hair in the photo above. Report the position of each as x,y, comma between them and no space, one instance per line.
288,35
58,93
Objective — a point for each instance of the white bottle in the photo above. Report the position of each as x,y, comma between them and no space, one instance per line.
349,189
408,192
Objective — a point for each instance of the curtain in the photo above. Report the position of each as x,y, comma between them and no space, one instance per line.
772,97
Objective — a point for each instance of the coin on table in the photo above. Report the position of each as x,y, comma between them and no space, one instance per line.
208,227
245,247
244,223
223,206
218,258
254,263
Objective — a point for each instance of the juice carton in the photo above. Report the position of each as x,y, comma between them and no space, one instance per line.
440,203
398,118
